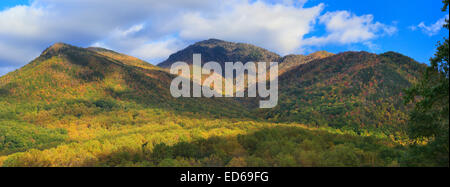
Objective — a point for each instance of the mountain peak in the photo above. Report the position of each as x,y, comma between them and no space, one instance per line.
211,41
320,54
57,48
222,51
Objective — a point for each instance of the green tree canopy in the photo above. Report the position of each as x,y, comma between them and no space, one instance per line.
430,117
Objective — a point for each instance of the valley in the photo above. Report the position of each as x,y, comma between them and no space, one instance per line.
75,106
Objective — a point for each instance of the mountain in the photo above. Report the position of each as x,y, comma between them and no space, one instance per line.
65,74
63,71
291,61
221,52
74,106
355,90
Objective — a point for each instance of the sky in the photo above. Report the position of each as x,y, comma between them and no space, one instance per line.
154,29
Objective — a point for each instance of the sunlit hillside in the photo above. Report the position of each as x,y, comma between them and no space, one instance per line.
76,106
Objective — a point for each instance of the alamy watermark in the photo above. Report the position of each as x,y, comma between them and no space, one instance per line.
257,80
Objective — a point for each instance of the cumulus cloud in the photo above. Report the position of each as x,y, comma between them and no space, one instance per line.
277,27
157,50
298,3
154,29
432,29
344,27
27,30
16,53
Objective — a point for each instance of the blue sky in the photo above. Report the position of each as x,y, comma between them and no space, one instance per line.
12,3
152,30
404,13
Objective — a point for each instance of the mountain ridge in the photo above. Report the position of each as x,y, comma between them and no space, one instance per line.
76,106
347,90
65,72
221,51
93,56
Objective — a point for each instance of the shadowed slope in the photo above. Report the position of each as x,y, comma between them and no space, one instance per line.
350,90
221,52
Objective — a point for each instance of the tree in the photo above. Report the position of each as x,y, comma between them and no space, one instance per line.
430,117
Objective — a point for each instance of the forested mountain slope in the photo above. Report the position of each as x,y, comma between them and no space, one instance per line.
348,90
85,89
290,62
76,106
65,73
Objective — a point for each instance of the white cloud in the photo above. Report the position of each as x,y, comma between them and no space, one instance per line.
15,54
277,27
153,29
344,27
297,3
131,30
432,29
25,31
130,41
23,21
157,50
372,47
